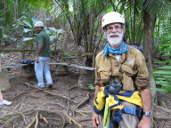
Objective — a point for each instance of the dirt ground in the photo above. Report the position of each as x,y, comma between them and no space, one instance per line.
55,105
67,105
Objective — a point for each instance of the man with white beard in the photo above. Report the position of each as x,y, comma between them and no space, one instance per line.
122,95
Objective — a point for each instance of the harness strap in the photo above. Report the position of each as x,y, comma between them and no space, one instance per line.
117,115
133,111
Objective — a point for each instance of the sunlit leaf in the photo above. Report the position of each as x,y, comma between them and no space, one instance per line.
26,30
162,72
25,39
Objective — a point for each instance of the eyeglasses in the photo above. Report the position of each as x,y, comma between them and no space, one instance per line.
114,27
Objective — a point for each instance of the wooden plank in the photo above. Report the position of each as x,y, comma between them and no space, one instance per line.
61,64
74,66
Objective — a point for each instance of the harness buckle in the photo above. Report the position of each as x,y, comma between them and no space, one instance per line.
114,87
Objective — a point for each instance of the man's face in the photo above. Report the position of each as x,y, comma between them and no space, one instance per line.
38,29
114,33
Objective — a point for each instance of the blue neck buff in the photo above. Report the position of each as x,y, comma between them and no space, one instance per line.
115,51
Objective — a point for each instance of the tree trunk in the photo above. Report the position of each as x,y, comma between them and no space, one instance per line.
1,10
149,22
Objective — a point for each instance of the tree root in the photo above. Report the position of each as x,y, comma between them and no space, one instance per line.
32,122
162,113
35,121
73,120
50,93
8,118
81,103
20,94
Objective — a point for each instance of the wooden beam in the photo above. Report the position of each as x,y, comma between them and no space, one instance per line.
61,64
74,66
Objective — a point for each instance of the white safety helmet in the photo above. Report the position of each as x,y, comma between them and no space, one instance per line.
112,17
39,24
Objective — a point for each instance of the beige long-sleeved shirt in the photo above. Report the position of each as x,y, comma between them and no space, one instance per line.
130,69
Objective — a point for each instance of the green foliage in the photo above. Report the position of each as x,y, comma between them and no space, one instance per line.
163,36
40,4
162,76
166,61
26,24
8,13
8,37
91,87
83,17
162,39
162,31
54,35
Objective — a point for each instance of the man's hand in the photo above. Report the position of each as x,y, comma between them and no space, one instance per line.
95,120
36,59
145,122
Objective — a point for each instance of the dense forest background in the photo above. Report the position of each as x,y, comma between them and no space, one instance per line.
77,23
148,25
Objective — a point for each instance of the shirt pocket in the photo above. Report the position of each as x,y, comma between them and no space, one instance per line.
128,70
127,77
104,74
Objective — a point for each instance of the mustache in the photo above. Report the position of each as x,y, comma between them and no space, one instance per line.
114,34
